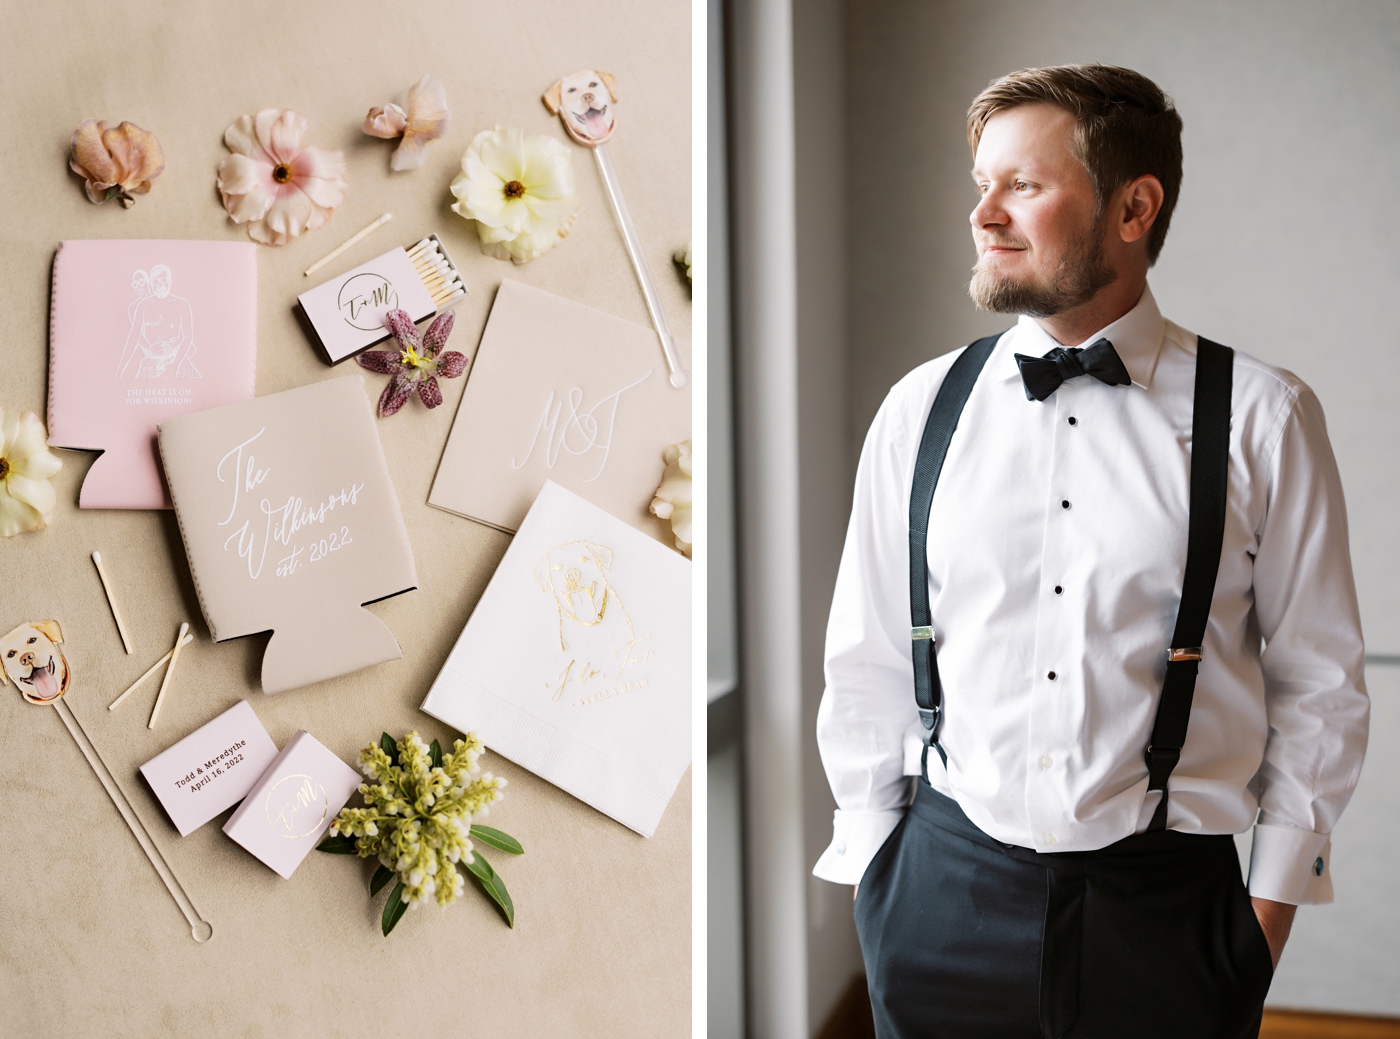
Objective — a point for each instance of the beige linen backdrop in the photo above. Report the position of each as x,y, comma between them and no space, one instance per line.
90,942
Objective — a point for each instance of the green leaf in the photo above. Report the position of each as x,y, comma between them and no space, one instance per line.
387,744
496,839
435,754
393,909
381,877
493,885
340,845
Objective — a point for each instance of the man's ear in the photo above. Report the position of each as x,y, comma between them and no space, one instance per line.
542,574
610,82
49,628
601,554
1142,202
552,97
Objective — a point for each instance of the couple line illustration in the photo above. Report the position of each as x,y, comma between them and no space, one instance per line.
160,329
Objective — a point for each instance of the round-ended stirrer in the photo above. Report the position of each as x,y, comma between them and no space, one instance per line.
32,659
583,102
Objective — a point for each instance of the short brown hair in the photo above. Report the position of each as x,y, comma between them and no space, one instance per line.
1125,126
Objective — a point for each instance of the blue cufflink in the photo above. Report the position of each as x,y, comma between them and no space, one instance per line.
1318,867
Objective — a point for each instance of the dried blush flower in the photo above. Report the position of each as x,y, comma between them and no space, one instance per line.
416,364
26,464
273,184
519,189
672,500
424,120
115,163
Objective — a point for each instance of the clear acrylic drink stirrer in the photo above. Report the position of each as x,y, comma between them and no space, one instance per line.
583,101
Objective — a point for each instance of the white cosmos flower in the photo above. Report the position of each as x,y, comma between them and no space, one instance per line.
672,500
520,191
26,463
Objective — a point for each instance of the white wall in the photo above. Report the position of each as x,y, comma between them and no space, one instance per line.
1285,244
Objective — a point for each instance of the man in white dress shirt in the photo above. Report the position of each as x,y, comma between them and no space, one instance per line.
1026,889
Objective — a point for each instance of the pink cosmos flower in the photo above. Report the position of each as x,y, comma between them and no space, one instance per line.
416,364
272,183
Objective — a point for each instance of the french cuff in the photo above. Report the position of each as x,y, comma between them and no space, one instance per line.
1289,865
856,837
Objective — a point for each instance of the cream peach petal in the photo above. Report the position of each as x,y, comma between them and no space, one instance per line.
427,104
411,153
241,139
90,158
318,217
239,174
37,494
386,121
96,192
137,153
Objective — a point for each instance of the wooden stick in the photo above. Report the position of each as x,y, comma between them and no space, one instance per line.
165,682
419,246
152,670
112,602
347,244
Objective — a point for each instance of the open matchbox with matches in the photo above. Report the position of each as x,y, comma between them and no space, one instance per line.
345,315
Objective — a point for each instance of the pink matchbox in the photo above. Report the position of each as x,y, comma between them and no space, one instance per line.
212,768
141,331
293,804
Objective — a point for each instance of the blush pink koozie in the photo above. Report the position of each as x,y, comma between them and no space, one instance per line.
141,331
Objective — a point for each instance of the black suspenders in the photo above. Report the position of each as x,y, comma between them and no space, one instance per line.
1210,454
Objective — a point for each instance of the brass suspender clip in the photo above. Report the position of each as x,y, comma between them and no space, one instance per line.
925,632
1188,653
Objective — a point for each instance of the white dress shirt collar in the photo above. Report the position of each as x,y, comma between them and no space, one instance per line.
1137,336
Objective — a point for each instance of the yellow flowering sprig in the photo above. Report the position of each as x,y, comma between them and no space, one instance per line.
418,822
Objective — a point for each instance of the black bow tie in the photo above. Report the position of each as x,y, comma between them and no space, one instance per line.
1043,375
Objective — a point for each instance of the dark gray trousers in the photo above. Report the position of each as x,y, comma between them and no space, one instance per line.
965,937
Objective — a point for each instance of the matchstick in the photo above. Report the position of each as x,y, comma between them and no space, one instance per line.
165,682
112,602
346,245
152,670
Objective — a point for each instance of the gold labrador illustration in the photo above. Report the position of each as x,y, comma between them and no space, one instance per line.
584,102
594,629
34,662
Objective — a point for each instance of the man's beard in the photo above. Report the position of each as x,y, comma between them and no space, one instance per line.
1082,272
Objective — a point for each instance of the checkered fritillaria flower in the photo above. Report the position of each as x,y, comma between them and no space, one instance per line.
416,364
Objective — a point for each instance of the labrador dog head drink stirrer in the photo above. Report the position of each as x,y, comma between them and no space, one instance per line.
584,102
32,658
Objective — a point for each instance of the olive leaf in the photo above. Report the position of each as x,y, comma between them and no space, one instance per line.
381,877
493,885
339,845
496,839
435,754
387,744
393,909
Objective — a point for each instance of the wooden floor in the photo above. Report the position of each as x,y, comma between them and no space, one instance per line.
1307,1024
850,1019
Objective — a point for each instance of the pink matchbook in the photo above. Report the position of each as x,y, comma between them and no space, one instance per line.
141,331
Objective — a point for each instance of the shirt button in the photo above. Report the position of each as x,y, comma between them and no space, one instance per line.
1073,421
841,847
1318,867
1059,590
1046,761
1052,676
1064,504
1049,838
